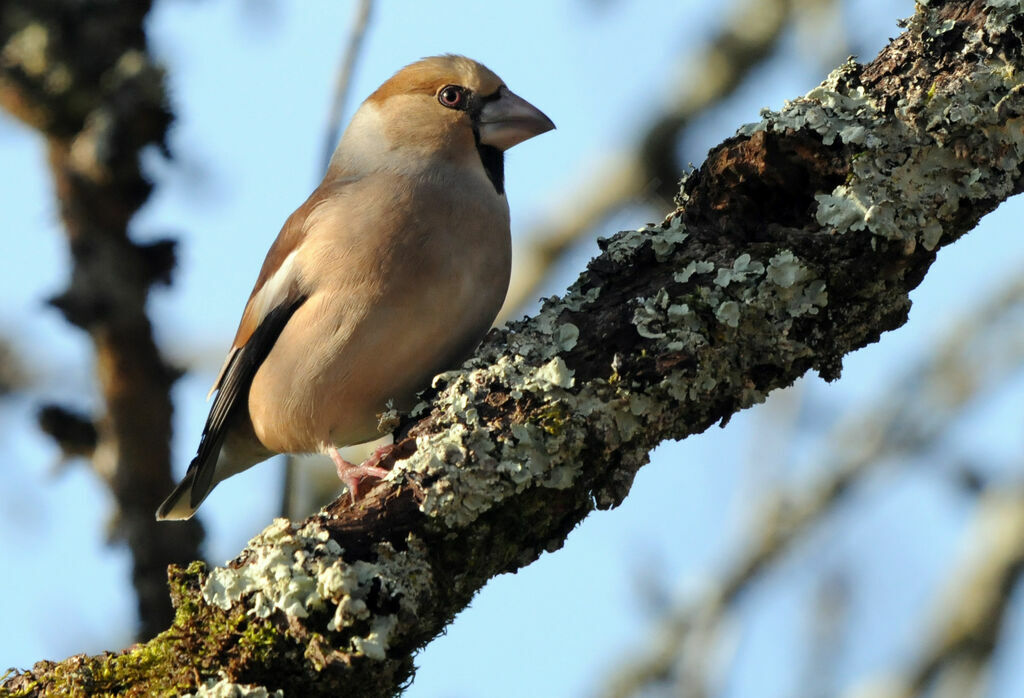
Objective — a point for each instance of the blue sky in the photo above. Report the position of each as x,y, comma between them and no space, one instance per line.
251,89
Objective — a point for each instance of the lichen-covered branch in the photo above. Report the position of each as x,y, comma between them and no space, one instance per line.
796,242
80,74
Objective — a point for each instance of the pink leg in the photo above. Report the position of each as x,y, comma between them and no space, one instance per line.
352,474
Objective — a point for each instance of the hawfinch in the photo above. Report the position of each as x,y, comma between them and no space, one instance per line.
389,273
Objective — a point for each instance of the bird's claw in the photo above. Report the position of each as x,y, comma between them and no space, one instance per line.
352,474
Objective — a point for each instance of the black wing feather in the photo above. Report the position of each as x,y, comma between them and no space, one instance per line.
234,393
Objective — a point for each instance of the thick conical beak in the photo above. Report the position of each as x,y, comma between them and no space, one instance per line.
510,119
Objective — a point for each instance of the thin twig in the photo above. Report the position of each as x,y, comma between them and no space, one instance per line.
344,79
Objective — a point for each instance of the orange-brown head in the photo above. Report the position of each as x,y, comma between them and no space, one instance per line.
447,107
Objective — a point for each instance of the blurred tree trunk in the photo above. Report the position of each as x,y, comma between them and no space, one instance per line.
795,243
80,74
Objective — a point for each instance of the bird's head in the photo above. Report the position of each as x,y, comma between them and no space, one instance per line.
448,107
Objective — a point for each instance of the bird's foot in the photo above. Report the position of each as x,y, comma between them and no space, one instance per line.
352,474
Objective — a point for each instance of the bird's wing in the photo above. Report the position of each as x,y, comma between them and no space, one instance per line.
276,284
278,293
233,393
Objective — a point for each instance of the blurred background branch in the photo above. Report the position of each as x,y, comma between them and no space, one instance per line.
959,643
910,424
343,81
81,74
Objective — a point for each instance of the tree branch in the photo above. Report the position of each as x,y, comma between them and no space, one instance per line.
973,610
344,78
797,242
649,173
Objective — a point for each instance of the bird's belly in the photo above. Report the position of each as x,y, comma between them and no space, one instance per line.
336,367
385,313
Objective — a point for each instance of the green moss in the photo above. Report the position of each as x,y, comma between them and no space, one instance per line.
138,666
258,639
144,670
183,584
32,688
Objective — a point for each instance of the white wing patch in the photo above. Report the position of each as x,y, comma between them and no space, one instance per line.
270,295
275,290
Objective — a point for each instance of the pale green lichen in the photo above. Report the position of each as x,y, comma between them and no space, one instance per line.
622,246
832,109
299,571
729,313
741,269
526,460
798,289
375,644
549,322
476,472
900,188
469,472
783,282
576,301
553,373
1001,13
664,237
809,299
784,269
664,242
694,267
223,688
628,421
908,163
566,336
648,317
843,209
660,318
784,288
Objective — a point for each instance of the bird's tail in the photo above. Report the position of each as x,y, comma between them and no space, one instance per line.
210,466
178,505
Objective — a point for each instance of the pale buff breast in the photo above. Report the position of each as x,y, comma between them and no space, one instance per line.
386,312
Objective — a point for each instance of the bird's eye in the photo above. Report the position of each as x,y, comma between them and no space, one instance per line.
451,96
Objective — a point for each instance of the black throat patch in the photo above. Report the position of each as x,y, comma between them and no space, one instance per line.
491,158
493,161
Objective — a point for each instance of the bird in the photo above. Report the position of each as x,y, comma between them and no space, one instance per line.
389,273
